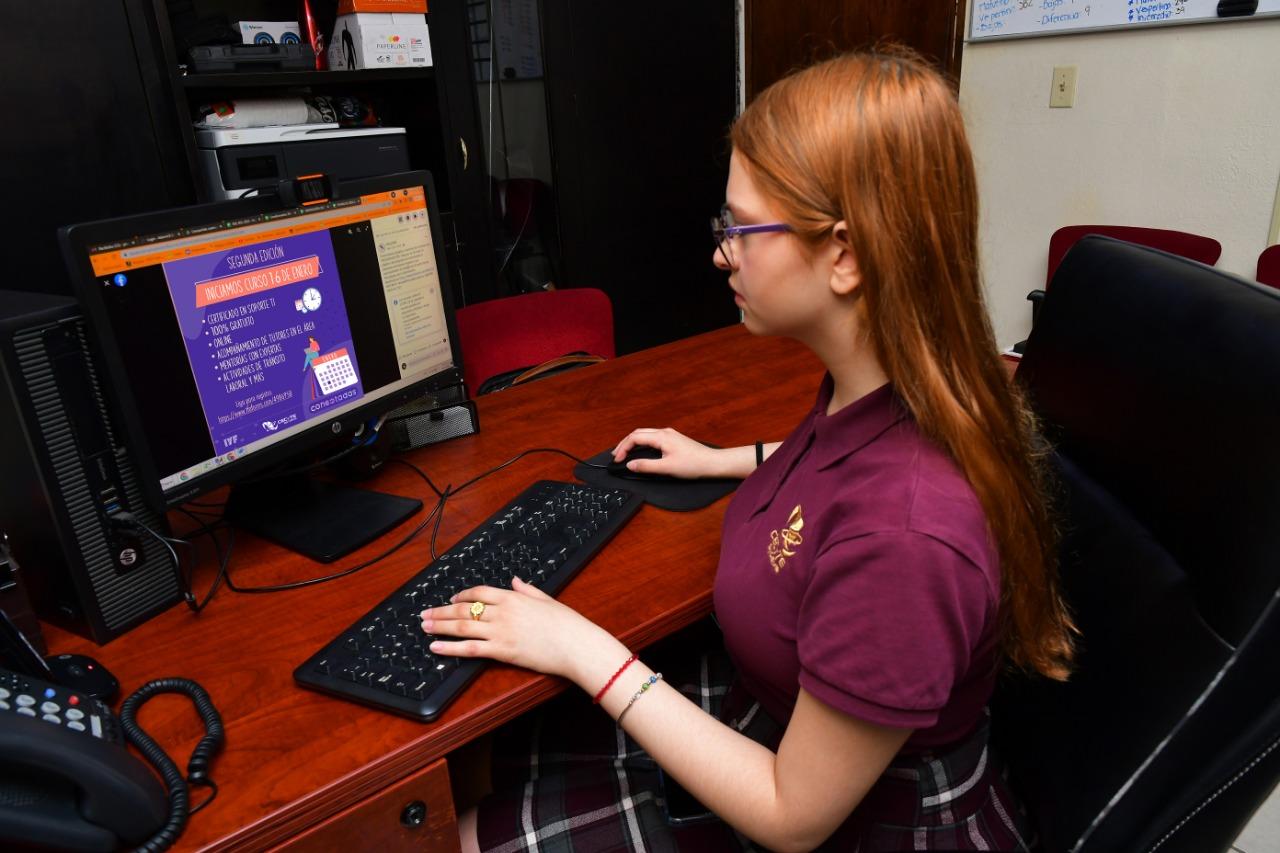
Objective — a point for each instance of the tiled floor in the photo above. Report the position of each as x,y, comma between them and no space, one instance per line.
1262,835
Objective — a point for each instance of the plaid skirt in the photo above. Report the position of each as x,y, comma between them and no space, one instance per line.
567,779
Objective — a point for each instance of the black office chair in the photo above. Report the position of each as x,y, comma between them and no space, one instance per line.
1158,382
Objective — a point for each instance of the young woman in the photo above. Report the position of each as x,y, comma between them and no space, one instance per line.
877,569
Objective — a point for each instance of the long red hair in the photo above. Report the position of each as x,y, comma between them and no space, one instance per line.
877,140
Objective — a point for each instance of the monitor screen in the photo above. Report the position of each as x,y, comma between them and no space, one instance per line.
239,333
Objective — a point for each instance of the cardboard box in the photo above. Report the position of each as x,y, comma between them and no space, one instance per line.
270,32
379,40
417,7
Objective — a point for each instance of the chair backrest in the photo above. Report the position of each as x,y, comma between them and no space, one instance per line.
1269,266
526,330
1206,250
1158,384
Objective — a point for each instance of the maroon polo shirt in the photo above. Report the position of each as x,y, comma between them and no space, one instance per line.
856,563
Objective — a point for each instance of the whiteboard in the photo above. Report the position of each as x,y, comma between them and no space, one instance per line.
990,19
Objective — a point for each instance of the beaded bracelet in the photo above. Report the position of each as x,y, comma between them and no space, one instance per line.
644,688
595,700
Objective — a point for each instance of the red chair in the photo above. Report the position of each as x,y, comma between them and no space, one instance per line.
1269,266
1206,250
526,330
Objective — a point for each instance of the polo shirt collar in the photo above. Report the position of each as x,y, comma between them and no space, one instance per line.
829,438
853,427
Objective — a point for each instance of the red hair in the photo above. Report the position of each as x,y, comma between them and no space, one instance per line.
877,140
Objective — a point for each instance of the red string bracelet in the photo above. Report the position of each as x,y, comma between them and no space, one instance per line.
609,683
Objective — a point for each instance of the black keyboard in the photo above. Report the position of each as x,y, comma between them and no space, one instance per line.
545,535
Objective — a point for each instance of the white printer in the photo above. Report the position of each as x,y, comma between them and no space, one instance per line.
238,161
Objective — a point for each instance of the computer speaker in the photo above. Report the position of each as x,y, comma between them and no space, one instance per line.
426,421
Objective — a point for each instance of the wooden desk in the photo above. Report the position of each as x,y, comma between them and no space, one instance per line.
307,771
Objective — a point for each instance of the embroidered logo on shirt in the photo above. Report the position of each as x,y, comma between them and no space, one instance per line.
782,543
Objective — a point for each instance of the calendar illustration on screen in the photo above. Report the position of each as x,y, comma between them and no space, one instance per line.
334,371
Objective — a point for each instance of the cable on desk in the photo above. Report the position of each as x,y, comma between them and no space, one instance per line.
449,491
345,572
224,558
436,513
423,474
186,577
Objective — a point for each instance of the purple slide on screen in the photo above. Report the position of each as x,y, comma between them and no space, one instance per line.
267,335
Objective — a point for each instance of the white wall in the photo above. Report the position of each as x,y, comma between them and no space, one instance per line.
1173,127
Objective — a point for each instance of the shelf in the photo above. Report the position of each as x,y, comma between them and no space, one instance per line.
260,79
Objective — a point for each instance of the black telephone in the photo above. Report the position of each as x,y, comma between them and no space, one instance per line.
67,782
65,774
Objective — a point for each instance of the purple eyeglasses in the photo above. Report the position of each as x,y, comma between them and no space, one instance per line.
723,230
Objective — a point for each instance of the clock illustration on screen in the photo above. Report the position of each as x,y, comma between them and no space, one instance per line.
311,299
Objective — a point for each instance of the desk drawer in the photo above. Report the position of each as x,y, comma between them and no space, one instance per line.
379,823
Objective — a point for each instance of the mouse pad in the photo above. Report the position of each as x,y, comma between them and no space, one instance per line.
664,493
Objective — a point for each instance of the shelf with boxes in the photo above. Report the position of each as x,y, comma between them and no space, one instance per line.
327,107
324,79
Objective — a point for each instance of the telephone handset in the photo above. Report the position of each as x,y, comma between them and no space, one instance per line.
67,782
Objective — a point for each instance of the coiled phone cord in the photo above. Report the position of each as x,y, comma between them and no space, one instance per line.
197,765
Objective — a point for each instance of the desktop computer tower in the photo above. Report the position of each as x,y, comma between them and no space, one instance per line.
64,471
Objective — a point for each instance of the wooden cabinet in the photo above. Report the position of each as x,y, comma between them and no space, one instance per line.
414,814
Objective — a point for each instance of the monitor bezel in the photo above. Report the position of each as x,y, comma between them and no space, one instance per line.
75,241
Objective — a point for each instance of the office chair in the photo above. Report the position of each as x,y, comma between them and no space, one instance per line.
527,330
1269,266
1162,420
1206,250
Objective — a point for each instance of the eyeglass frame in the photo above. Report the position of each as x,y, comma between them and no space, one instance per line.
722,233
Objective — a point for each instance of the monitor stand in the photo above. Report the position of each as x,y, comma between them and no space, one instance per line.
318,519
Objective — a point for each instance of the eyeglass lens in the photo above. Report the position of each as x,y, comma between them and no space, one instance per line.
718,227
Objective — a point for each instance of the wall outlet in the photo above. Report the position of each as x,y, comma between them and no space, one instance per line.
1063,93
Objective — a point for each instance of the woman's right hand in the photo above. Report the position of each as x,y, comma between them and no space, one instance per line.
684,457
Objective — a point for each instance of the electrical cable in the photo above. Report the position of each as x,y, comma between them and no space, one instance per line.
449,491
345,572
522,454
203,528
420,473
224,557
184,576
197,764
128,519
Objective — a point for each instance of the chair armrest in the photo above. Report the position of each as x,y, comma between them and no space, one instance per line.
1035,297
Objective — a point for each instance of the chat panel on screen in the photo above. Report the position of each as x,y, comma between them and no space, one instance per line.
411,287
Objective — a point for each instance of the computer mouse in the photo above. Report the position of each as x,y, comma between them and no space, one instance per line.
640,451
83,674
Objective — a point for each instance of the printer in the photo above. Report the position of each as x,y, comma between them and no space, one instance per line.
236,162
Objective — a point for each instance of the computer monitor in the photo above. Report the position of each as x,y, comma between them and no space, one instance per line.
237,336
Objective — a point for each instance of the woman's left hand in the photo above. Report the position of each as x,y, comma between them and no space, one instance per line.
522,626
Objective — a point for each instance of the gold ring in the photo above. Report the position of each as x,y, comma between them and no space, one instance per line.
477,610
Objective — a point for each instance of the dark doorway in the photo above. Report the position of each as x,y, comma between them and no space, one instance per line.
782,35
